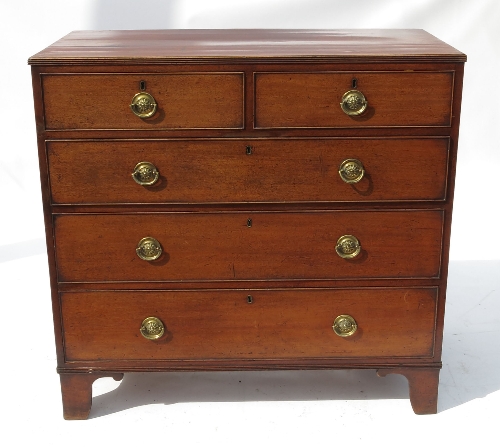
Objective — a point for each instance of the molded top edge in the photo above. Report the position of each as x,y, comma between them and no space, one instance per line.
158,46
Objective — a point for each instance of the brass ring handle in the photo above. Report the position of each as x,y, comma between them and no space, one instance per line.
351,170
348,247
145,173
148,249
143,105
344,326
353,103
152,328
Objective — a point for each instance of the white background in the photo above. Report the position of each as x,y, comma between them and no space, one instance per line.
265,408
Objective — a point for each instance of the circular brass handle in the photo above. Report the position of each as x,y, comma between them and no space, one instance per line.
148,249
348,247
145,173
152,328
143,105
353,103
351,170
344,326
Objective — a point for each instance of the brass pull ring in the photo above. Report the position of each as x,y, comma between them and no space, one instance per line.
145,173
148,249
143,105
348,247
344,326
351,170
353,103
152,328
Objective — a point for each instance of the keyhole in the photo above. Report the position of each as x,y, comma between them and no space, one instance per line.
249,223
249,150
249,299
142,85
354,83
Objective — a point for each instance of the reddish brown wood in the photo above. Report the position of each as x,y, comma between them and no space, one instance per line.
223,325
47,212
221,171
293,195
221,246
457,101
423,384
315,363
76,390
91,101
248,284
164,46
313,99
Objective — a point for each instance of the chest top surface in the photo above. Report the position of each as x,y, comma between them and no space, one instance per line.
158,46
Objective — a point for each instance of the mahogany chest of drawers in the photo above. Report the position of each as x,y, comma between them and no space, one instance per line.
252,199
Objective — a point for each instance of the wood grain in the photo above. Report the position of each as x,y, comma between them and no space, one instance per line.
423,384
102,101
220,171
290,100
222,324
218,91
209,46
220,246
76,391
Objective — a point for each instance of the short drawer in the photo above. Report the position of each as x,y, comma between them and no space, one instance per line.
312,100
222,324
248,245
243,171
102,101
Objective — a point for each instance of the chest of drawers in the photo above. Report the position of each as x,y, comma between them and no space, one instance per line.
252,199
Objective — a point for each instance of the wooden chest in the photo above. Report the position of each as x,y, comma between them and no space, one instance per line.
252,199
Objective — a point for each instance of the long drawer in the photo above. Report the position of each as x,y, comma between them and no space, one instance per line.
248,245
312,100
102,101
223,324
236,171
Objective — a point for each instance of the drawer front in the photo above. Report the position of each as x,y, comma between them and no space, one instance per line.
222,324
308,100
184,101
226,246
222,171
